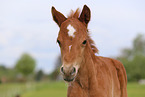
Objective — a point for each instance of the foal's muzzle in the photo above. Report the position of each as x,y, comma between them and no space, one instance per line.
68,73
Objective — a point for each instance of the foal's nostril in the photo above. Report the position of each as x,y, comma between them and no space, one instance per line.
73,71
62,70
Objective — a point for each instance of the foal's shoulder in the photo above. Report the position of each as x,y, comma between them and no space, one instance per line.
109,61
107,58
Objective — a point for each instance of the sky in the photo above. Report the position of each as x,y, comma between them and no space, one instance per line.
26,26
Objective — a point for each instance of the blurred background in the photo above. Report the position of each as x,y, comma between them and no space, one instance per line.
30,56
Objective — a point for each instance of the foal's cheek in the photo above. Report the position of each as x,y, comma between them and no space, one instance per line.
62,54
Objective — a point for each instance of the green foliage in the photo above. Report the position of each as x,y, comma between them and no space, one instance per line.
39,75
7,74
26,64
135,68
55,74
139,45
134,59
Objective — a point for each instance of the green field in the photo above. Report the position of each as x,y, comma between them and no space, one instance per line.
135,90
51,89
54,89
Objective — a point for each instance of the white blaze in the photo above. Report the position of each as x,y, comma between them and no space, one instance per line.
70,47
71,30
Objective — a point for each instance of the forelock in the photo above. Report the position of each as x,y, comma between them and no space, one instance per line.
74,14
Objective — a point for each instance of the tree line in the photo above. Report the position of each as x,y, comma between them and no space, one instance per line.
24,70
134,59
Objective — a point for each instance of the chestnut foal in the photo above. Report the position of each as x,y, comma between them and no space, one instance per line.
87,75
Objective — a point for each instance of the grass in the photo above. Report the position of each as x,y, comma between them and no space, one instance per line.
135,90
12,89
51,89
54,89
8,90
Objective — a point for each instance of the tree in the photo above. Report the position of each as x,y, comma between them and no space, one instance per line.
139,45
26,64
39,75
7,74
55,74
134,59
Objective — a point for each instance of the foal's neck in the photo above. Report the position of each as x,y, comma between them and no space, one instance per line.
87,73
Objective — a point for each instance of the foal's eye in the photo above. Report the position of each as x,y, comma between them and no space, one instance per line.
84,42
58,42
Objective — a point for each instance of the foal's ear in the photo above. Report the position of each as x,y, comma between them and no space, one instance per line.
85,15
58,17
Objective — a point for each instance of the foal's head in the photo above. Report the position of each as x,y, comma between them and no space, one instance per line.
73,38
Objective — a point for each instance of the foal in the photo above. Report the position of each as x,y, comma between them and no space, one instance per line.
87,75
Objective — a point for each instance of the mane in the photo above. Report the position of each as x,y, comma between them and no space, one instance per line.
92,44
76,14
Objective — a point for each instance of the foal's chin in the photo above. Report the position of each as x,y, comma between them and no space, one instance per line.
69,79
